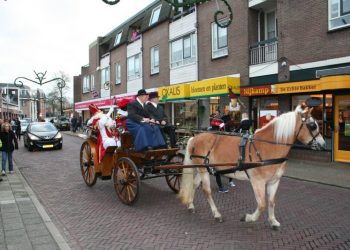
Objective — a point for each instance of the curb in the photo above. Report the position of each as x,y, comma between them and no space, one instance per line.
56,235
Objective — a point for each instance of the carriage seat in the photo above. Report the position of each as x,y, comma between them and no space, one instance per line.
126,140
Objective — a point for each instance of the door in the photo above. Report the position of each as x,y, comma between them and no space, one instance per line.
342,128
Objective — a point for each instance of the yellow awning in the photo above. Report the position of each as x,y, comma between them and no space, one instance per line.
174,92
214,87
324,83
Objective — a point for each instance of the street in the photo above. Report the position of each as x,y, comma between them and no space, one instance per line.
312,215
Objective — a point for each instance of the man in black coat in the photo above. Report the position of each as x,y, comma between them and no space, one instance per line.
141,126
157,113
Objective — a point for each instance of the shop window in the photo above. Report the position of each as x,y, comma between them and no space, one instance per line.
339,14
268,110
185,114
323,113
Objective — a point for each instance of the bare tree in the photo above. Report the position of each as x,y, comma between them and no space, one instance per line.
59,92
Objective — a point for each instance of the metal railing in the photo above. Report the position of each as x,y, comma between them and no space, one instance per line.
263,53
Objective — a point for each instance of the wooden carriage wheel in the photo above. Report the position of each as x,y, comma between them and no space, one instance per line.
87,165
173,181
126,180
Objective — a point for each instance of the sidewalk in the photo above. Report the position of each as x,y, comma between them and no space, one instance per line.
334,173
24,224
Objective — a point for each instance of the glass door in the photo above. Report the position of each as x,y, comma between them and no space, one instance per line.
342,128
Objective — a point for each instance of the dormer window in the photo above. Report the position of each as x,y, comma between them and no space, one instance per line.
117,38
155,15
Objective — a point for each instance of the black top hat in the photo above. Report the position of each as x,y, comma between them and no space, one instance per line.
153,95
141,92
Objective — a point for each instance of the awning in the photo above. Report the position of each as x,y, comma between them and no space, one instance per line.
214,87
324,83
174,92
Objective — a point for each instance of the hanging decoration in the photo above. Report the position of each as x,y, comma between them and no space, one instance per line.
189,3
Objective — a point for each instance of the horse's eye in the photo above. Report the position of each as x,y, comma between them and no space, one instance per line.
312,126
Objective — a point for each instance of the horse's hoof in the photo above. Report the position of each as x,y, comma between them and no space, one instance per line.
191,210
275,228
219,219
243,218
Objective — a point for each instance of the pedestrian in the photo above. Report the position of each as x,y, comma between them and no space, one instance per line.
245,124
74,124
9,144
18,128
80,123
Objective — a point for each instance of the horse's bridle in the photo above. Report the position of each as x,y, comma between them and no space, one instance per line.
311,126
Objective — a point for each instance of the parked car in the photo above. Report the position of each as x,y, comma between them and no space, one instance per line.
63,123
42,135
24,125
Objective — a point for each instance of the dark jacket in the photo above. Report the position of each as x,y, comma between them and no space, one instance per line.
7,139
245,125
136,112
156,113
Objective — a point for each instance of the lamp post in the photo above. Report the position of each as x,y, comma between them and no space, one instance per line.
41,80
190,3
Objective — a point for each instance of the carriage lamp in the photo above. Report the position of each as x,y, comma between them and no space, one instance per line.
190,3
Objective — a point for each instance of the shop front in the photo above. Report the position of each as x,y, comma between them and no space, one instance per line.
332,115
190,105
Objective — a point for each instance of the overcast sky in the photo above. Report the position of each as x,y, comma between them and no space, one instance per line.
54,35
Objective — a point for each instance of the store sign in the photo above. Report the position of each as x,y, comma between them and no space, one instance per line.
256,90
214,87
179,91
297,87
98,103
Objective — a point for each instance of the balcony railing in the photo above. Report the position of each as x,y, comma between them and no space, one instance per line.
263,52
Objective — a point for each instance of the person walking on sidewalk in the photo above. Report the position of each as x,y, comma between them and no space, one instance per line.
9,144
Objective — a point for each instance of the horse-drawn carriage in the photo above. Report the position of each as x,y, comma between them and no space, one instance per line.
128,167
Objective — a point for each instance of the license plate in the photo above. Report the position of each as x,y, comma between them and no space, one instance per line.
48,146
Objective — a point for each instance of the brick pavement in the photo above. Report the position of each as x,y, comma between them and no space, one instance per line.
23,222
312,215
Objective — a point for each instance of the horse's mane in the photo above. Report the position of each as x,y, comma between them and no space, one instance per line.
283,125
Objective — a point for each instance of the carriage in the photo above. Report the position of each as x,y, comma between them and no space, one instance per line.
127,167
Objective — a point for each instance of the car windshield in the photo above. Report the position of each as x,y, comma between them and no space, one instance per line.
47,127
64,119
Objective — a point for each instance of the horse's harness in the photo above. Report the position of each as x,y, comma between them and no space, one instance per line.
244,166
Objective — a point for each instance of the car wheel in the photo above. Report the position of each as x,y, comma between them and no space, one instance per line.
30,148
59,147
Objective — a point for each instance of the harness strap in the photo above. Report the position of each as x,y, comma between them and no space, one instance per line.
246,166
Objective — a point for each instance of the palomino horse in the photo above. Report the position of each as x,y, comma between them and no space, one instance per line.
273,141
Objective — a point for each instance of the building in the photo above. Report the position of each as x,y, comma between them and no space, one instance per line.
275,55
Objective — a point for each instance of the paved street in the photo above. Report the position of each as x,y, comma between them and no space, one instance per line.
312,215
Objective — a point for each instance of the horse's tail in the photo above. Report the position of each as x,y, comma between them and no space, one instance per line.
186,187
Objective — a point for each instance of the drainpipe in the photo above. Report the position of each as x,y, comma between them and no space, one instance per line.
259,29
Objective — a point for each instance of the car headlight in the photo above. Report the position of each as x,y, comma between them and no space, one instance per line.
33,137
58,136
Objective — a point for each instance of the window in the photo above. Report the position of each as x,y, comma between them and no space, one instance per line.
104,76
339,14
219,40
92,82
118,74
117,38
155,60
134,67
155,15
86,84
183,51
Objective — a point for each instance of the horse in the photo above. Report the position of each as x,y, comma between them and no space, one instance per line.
273,141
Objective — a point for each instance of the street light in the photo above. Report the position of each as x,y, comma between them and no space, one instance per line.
41,81
190,3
